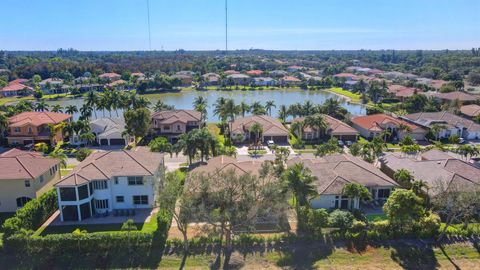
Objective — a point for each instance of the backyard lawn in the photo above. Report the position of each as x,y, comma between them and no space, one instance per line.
455,256
150,226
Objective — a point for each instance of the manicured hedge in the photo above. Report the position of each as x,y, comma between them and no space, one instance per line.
32,215
67,248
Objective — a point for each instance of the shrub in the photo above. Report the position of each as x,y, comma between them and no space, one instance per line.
32,215
358,226
82,154
429,225
341,219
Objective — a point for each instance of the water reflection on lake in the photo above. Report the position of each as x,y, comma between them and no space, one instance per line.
184,100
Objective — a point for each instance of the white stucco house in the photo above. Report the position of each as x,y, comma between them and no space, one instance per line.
108,181
450,124
333,172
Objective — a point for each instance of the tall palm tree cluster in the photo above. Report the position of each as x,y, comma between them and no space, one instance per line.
80,128
111,101
330,107
198,141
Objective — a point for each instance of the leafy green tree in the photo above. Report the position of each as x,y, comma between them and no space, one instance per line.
229,201
328,148
3,125
403,209
404,178
137,122
355,149
341,219
82,154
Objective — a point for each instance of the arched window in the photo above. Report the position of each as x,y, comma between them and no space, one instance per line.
21,201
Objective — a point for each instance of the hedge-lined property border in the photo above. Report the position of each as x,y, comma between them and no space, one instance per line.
81,247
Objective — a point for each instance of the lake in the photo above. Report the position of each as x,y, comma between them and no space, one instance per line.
184,99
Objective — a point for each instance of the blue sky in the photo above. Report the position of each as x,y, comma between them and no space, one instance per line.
262,24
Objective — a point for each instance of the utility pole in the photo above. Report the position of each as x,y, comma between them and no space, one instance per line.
226,26
148,18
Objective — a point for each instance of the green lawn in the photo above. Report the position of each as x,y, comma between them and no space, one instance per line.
353,96
150,226
311,256
67,170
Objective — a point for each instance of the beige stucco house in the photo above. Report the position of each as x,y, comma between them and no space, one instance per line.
25,176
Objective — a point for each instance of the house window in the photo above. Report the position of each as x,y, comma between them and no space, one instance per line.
17,129
82,192
27,183
120,199
41,179
22,201
101,204
50,171
30,130
166,127
116,180
178,127
135,180
100,185
383,193
142,199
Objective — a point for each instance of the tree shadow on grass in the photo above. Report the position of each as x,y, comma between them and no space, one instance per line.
303,256
414,257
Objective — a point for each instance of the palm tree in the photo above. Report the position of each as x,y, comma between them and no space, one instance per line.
318,123
59,153
257,108
200,100
436,129
355,192
219,109
57,108
71,109
297,127
41,106
283,113
85,112
244,108
307,108
92,101
269,105
142,102
161,106
300,181
88,137
256,129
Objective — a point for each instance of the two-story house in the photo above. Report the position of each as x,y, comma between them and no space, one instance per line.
173,123
25,176
33,127
374,125
109,181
